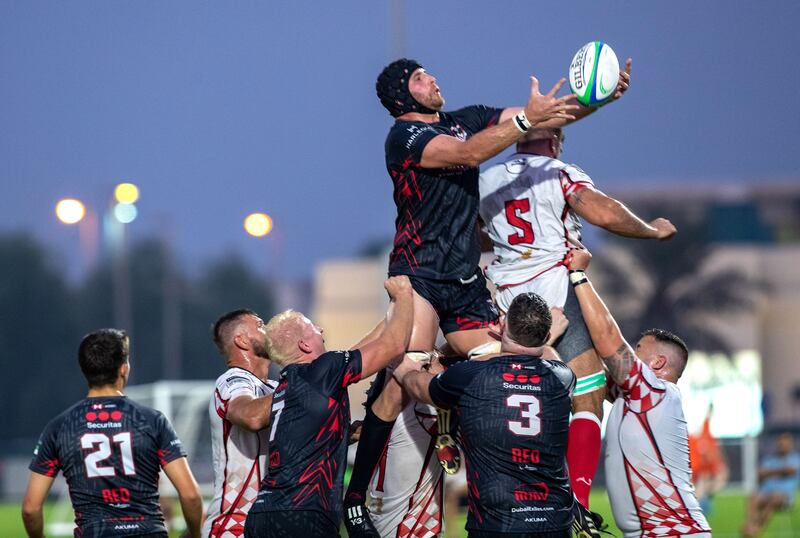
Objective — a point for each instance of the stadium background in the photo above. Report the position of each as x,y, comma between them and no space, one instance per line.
219,111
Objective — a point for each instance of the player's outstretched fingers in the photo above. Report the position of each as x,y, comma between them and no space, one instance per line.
534,86
554,91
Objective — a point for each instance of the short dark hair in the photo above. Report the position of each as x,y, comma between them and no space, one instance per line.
101,354
528,320
221,330
673,339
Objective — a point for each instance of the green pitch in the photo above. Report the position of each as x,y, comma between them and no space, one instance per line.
726,519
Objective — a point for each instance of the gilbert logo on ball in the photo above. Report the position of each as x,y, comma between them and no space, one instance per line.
594,73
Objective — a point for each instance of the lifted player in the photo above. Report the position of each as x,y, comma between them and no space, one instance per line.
432,158
530,205
110,450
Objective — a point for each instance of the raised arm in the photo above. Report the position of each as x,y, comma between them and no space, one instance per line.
414,379
250,412
444,150
181,476
606,336
396,333
581,111
611,214
32,516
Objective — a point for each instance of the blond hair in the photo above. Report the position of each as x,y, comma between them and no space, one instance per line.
284,330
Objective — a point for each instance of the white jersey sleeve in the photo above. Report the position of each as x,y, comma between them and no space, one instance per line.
524,204
239,456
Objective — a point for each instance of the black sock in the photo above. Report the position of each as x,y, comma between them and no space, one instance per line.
374,438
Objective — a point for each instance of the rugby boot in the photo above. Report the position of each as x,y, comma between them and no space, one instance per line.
446,449
584,523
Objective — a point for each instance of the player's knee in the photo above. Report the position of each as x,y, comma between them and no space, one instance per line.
389,403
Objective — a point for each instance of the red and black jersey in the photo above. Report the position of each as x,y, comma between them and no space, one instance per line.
437,208
110,450
513,414
310,424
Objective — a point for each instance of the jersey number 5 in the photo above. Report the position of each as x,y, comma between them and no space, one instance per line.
100,446
514,208
530,409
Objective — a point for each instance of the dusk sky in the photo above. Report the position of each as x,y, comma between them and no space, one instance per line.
218,109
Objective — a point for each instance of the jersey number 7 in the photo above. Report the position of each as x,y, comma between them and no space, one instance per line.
515,208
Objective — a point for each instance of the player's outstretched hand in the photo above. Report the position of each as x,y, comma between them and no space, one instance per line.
397,285
542,108
624,80
664,229
579,259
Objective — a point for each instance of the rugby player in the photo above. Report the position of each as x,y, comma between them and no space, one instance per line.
239,411
647,440
530,205
513,409
110,450
302,493
432,158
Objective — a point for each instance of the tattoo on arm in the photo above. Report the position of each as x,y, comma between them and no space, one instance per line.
619,364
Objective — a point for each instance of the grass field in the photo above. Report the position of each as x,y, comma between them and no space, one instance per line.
726,519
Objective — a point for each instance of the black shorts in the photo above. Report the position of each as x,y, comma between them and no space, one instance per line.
461,305
576,339
290,524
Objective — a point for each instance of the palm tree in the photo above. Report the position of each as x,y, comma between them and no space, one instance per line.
670,285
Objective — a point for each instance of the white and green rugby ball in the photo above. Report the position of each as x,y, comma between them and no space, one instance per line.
594,73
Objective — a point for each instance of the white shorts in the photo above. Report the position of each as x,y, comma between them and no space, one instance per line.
551,285
407,489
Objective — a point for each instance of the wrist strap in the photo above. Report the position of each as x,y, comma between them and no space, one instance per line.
521,122
578,277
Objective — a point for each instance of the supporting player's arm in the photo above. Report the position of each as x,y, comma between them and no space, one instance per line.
414,380
396,332
606,336
250,412
444,150
32,516
181,476
611,214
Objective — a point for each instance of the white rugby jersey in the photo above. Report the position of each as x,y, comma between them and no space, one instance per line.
239,456
407,487
647,460
524,206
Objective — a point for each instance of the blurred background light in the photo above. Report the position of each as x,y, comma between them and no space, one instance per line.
258,224
70,210
125,213
126,193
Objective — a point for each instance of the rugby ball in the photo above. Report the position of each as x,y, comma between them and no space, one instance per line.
594,73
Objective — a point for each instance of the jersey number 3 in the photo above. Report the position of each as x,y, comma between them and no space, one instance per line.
515,208
100,446
530,409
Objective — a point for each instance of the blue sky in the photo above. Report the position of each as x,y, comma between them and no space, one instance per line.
217,109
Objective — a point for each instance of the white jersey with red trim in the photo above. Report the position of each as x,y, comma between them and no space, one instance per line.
648,444
407,488
239,456
524,206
